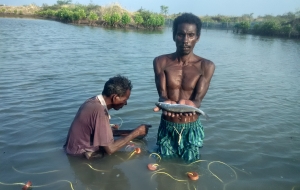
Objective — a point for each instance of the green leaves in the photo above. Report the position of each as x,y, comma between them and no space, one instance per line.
125,19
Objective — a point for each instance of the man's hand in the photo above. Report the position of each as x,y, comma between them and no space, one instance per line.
172,114
142,130
189,103
156,109
114,126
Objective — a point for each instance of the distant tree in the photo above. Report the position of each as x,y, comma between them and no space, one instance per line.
125,19
138,19
93,17
164,10
244,26
115,18
287,30
64,2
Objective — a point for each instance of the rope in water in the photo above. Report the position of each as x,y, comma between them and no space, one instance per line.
95,168
34,173
120,119
37,186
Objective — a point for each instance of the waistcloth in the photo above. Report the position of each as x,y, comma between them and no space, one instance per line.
181,140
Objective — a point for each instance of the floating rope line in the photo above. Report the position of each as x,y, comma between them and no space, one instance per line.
179,180
37,186
225,165
120,119
10,184
34,173
165,173
155,155
194,187
295,186
119,158
158,170
136,151
240,170
197,162
95,168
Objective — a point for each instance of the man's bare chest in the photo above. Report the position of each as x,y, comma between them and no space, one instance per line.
182,77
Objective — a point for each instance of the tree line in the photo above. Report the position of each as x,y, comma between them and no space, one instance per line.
114,15
286,25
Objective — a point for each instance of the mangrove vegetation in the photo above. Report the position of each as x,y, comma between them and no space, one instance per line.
286,25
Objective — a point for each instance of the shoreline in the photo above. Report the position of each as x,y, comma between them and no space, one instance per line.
130,26
80,22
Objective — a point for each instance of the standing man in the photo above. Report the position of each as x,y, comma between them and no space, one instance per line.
182,78
90,133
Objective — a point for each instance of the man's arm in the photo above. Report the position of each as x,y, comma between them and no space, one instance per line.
160,79
119,143
203,84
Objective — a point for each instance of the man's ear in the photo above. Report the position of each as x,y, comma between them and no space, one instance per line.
198,38
114,98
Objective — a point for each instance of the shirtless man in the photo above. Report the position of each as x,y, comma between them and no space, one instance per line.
90,133
182,78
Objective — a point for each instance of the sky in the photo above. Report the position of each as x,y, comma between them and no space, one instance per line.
198,7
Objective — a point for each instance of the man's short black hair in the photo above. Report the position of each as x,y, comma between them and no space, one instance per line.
187,18
117,85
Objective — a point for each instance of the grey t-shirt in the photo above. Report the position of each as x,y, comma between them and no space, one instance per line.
89,129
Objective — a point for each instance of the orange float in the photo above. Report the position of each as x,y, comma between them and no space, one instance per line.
27,185
152,166
193,175
137,150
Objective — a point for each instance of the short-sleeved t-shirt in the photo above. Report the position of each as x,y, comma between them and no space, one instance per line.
90,128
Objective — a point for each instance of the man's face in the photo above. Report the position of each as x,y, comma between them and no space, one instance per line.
119,102
186,38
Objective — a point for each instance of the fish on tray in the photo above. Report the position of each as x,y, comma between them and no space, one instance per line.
180,108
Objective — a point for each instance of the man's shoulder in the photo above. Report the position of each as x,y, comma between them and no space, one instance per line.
162,58
93,102
203,61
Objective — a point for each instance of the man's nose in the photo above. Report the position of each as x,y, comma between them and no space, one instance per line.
185,38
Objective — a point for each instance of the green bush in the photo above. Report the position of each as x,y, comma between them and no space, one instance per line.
65,15
93,17
267,28
114,19
125,19
138,19
244,26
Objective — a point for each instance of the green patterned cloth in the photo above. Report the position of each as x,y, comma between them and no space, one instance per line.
181,140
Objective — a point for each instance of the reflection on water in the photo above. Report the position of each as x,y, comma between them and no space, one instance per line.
48,69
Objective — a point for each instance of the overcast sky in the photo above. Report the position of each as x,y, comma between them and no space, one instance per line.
198,7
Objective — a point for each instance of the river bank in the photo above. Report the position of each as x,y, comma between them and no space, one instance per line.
115,16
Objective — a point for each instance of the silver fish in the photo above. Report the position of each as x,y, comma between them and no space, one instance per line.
180,108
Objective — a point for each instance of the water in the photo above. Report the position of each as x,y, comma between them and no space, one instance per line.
47,69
